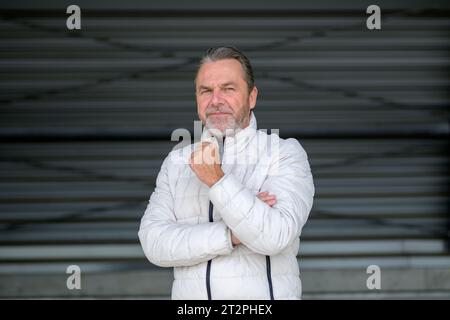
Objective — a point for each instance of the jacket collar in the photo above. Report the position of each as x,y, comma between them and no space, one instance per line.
238,142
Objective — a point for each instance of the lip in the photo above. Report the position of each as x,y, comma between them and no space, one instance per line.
218,114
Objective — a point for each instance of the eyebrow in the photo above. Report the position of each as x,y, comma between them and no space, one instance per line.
231,83
203,87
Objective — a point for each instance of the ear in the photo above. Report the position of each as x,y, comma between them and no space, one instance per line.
252,97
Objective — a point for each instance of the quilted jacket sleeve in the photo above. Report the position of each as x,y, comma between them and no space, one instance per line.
264,229
167,243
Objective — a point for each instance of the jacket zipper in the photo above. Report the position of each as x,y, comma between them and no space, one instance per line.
269,277
208,267
211,219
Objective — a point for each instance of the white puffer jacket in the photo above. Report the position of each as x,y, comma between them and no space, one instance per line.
176,230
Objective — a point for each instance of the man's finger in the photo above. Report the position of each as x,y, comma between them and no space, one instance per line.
267,198
271,202
262,194
210,156
196,157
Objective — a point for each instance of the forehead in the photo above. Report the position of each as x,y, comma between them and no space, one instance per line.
220,71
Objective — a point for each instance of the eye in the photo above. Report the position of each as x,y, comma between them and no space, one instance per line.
203,91
229,89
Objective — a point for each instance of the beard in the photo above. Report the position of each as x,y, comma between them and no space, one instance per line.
227,124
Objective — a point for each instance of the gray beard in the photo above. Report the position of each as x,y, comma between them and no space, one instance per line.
230,128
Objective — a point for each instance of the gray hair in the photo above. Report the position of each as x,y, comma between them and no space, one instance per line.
222,53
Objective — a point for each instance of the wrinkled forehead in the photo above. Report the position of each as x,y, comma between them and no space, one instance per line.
220,72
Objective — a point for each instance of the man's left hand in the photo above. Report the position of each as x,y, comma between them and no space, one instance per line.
205,163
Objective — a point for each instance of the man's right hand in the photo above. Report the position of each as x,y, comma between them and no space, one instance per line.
268,198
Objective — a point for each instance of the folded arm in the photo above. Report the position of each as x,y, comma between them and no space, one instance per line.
264,229
168,243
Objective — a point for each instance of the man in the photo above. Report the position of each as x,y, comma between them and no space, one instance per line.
229,221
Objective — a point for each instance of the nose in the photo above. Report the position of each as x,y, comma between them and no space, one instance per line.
216,97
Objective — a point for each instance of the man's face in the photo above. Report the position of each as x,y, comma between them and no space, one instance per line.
223,100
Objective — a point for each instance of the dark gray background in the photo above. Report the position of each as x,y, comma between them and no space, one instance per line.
86,118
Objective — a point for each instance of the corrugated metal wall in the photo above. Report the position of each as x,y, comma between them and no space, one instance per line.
86,118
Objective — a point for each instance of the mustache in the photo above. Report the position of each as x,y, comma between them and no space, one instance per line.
218,108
